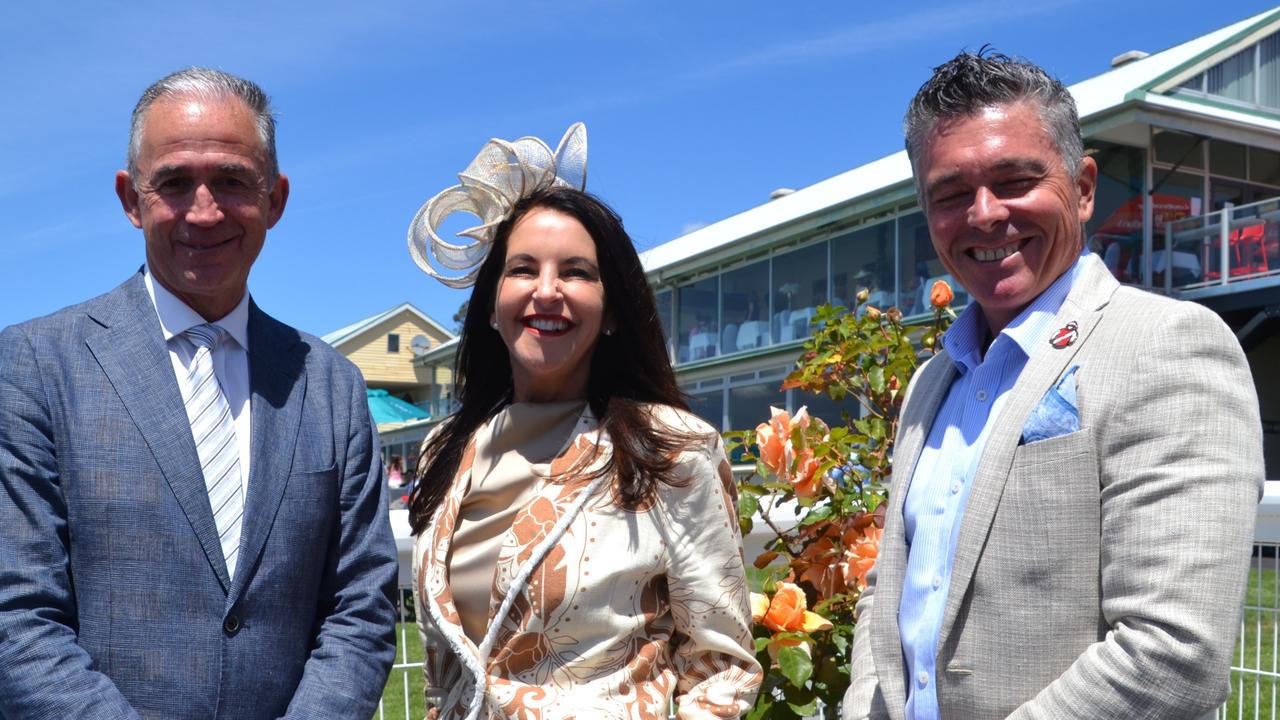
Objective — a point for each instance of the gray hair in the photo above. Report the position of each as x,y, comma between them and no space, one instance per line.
969,82
207,84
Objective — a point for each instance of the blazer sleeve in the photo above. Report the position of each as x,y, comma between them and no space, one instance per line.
863,699
717,673
1180,463
353,651
44,673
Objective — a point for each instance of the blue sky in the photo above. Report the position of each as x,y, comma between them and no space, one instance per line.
695,111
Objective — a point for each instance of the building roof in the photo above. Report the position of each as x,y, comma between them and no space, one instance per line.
344,334
1142,80
442,352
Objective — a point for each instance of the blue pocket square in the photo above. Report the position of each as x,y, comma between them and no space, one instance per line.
1057,413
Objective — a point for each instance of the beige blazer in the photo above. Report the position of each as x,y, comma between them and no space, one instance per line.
599,612
1098,574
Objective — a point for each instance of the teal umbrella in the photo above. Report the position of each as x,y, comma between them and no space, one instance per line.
386,408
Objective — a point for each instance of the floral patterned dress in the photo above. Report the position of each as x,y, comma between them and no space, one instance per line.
597,612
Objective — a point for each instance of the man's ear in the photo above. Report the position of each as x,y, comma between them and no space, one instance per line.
1087,185
128,195
277,199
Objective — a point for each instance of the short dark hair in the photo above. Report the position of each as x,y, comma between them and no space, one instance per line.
969,82
207,84
630,369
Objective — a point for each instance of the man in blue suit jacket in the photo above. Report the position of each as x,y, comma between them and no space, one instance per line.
115,595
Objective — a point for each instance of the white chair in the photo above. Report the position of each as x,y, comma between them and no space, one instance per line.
752,335
729,337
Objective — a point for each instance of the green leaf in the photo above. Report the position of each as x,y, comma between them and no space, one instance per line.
806,709
748,504
876,378
817,514
795,665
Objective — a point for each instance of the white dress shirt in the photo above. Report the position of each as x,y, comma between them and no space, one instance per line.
230,359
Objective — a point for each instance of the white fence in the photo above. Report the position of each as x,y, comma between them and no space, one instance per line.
1255,670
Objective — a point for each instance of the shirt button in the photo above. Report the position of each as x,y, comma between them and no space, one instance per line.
937,581
955,487
923,678
982,396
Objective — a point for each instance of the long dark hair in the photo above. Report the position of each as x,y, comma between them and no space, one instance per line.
630,369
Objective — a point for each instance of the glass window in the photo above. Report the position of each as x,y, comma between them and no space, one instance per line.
1222,192
1233,77
1175,148
663,300
1264,166
393,342
863,259
749,404
1269,71
1195,82
1115,230
709,405
1226,158
698,336
1175,195
744,307
800,286
919,266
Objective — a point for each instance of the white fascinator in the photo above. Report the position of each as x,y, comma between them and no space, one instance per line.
499,176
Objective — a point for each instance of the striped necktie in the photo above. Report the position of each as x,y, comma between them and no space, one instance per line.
215,434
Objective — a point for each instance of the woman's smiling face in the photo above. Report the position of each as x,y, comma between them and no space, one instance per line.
550,306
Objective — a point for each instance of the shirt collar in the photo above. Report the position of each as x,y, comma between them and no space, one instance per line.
176,317
965,338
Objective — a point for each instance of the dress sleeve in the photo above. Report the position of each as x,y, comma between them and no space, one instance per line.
718,675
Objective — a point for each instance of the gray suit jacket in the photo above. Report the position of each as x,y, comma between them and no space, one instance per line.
114,596
1097,574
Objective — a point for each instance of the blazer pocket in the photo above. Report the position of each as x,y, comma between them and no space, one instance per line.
314,483
1061,449
1051,509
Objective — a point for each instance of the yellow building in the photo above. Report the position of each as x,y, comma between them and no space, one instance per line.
384,347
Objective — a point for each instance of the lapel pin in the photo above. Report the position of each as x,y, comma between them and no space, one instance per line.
1065,336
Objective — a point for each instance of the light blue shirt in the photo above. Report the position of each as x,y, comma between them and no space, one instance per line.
935,501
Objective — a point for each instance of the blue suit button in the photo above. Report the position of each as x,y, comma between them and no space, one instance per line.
231,625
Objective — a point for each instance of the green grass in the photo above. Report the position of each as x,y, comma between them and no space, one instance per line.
408,649
1255,696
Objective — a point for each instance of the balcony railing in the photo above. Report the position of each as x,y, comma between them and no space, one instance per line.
1219,248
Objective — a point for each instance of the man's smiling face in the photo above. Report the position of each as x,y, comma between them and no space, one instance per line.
203,199
1004,213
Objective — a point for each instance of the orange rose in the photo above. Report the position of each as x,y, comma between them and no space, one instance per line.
940,294
788,611
806,481
860,556
774,439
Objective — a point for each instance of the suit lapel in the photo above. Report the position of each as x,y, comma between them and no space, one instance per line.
132,353
277,388
1084,306
931,385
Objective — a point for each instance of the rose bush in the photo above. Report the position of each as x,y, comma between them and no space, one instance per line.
830,473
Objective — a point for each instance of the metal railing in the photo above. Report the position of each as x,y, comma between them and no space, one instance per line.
1217,248
1255,690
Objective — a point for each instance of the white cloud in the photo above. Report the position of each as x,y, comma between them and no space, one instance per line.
692,227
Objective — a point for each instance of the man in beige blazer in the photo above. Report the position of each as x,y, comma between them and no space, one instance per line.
1076,473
